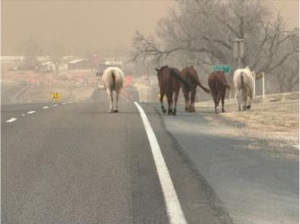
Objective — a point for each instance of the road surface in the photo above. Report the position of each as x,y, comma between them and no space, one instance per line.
73,162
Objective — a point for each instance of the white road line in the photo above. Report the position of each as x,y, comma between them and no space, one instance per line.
174,210
63,103
31,112
23,115
45,107
11,120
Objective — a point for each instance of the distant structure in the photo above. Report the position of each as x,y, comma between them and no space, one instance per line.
78,64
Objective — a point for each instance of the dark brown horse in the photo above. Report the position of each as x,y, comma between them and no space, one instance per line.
190,76
169,83
218,85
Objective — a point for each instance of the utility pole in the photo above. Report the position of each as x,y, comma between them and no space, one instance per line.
238,52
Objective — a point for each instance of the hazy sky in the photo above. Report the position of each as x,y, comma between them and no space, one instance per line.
93,24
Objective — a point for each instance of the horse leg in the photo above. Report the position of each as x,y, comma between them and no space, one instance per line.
175,99
216,102
117,101
162,94
110,97
223,97
250,99
170,103
193,96
244,99
186,96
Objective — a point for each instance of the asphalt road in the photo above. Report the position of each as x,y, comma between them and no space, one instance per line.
256,186
76,163
12,94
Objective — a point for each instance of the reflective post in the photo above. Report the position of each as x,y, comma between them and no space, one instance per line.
254,84
263,85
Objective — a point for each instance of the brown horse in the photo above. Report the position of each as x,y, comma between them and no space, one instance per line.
169,83
218,85
190,76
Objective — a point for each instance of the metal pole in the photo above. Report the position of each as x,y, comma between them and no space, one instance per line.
239,54
263,85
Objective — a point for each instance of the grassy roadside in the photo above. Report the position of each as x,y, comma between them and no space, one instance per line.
273,122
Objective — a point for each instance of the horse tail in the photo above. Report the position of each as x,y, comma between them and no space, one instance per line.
176,76
113,79
242,80
198,82
204,88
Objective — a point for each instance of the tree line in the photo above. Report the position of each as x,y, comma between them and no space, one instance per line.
201,32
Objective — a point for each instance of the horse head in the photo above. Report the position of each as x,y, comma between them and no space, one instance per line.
160,69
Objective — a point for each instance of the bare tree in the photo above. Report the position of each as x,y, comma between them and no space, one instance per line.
201,32
287,75
56,55
30,49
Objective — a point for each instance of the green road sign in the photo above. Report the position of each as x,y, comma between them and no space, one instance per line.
225,68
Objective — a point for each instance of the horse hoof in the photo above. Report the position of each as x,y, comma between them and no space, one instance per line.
111,111
248,107
116,111
164,111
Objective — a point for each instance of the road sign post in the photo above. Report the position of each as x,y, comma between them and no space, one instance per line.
238,50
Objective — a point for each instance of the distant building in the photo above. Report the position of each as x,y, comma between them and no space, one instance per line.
78,64
12,59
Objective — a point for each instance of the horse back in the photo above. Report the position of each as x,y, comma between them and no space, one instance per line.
166,81
217,82
242,78
113,78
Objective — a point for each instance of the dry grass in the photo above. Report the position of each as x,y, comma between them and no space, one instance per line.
274,116
273,122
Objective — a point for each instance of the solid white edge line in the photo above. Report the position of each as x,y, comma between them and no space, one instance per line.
31,112
174,210
11,120
45,107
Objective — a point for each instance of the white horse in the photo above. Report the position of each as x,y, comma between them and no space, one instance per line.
113,79
243,84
